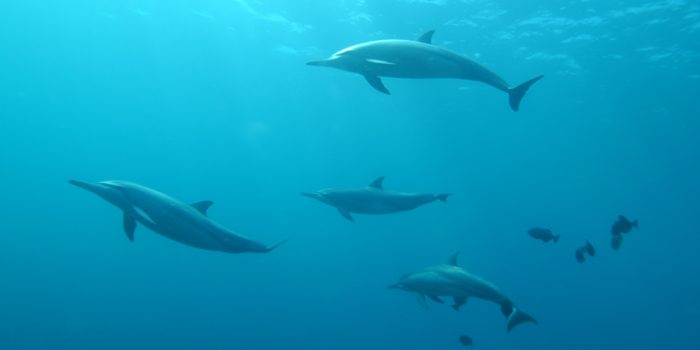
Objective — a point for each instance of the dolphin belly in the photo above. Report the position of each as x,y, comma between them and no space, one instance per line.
180,230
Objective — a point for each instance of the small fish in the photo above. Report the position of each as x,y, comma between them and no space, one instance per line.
590,249
623,225
582,251
616,241
543,234
466,341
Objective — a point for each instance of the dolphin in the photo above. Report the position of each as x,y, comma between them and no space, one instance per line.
372,199
418,59
451,280
179,221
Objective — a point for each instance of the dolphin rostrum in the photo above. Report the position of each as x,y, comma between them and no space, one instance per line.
451,280
372,199
179,221
418,59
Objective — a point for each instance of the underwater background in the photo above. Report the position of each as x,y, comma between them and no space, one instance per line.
211,99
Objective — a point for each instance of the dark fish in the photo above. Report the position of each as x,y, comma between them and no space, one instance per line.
466,341
579,255
590,249
623,225
543,234
616,241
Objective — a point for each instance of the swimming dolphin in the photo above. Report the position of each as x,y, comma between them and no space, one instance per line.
417,60
373,199
451,280
179,221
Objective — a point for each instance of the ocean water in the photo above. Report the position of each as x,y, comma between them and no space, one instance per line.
212,99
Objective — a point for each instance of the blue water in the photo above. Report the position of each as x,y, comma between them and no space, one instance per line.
211,99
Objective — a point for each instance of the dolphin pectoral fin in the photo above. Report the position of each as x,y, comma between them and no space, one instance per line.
129,226
346,214
376,83
427,37
459,302
380,62
202,206
517,93
420,298
436,299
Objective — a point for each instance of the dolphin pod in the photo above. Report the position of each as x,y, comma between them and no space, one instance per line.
189,224
372,199
451,280
179,221
417,59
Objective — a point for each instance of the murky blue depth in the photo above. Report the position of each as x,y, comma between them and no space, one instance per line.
212,100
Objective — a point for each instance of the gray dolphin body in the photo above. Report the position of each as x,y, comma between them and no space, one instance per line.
417,60
373,199
179,221
450,280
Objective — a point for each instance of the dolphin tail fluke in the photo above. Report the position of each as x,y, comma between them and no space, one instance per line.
517,93
519,317
272,247
443,197
635,224
556,238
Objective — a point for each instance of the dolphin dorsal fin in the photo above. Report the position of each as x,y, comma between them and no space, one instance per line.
427,37
378,183
202,206
453,259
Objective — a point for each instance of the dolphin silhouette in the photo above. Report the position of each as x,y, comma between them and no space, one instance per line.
179,221
418,59
451,280
372,199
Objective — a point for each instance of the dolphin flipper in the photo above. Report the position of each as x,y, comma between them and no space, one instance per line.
436,299
516,94
376,83
420,298
459,301
129,226
346,214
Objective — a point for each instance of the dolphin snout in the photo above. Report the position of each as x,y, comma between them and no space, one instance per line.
313,195
81,184
317,63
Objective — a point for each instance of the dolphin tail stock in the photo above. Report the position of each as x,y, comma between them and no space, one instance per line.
556,238
442,196
515,316
516,94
